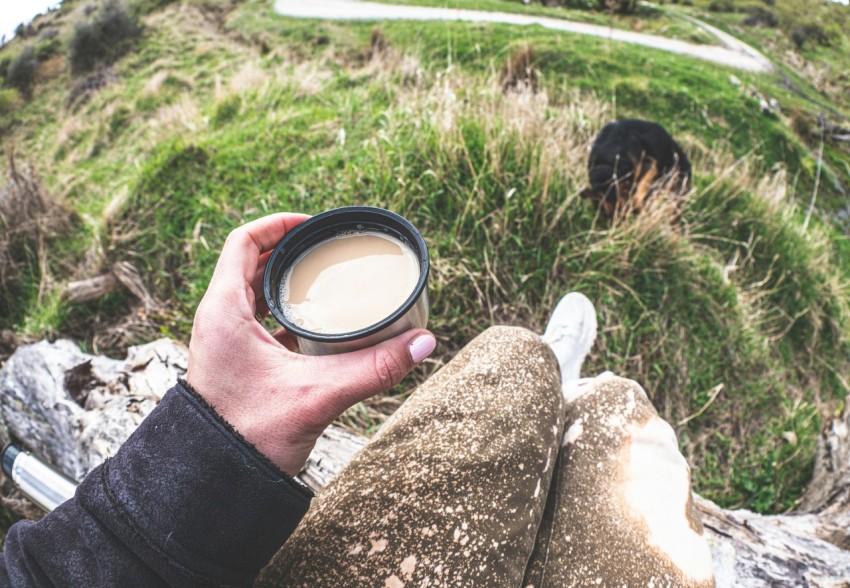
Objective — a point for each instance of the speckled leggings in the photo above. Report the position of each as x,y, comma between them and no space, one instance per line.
452,490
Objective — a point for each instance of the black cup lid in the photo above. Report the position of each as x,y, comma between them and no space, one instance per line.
317,229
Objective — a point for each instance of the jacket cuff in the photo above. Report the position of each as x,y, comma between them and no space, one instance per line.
193,498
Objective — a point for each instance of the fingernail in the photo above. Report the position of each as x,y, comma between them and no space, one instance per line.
421,347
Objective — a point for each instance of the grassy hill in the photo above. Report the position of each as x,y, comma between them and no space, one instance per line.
735,317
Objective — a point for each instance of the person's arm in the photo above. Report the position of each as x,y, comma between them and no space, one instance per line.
185,502
188,500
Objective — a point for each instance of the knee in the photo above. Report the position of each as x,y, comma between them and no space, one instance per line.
512,359
515,346
503,333
610,389
523,355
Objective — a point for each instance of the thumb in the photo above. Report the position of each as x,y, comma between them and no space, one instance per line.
355,376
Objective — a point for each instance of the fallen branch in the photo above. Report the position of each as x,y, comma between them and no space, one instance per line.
91,289
122,275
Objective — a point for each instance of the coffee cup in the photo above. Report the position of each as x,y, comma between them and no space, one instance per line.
348,279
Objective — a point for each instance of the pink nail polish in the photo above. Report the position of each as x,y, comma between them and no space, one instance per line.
422,347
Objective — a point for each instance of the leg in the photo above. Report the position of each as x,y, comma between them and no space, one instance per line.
644,184
451,491
620,511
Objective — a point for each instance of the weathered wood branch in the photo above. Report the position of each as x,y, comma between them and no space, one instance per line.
76,409
122,275
91,288
762,551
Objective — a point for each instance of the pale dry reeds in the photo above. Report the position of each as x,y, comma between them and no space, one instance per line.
29,219
515,161
251,77
154,84
181,116
310,77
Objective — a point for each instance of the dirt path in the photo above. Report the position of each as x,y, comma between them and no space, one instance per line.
731,42
733,53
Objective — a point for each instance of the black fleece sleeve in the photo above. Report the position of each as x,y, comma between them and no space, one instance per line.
186,501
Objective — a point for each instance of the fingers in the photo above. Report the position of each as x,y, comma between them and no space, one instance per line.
259,274
240,256
261,308
352,377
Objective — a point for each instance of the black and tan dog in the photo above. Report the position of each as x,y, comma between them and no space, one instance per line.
626,160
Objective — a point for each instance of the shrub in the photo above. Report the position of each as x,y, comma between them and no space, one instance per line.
22,69
9,101
620,6
761,17
518,71
226,110
84,89
581,4
30,219
45,49
804,124
5,61
22,31
378,44
48,33
148,6
721,6
802,34
105,38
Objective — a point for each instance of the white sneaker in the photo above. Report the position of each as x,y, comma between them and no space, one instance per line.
570,333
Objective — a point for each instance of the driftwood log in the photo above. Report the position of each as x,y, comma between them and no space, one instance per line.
76,409
91,288
122,275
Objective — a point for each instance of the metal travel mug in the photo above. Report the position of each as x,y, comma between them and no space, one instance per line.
413,313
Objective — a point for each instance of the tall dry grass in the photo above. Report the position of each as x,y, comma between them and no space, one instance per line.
731,315
30,221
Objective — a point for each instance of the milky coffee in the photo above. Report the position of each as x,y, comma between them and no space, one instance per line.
348,283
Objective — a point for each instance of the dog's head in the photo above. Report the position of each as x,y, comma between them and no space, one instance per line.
598,200
607,199
609,187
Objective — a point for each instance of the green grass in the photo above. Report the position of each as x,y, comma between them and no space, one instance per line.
820,87
733,318
816,69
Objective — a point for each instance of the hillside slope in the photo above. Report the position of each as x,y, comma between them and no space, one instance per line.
735,317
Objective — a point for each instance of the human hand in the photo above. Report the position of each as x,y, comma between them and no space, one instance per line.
277,399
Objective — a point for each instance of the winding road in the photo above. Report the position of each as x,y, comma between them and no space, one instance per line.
732,53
